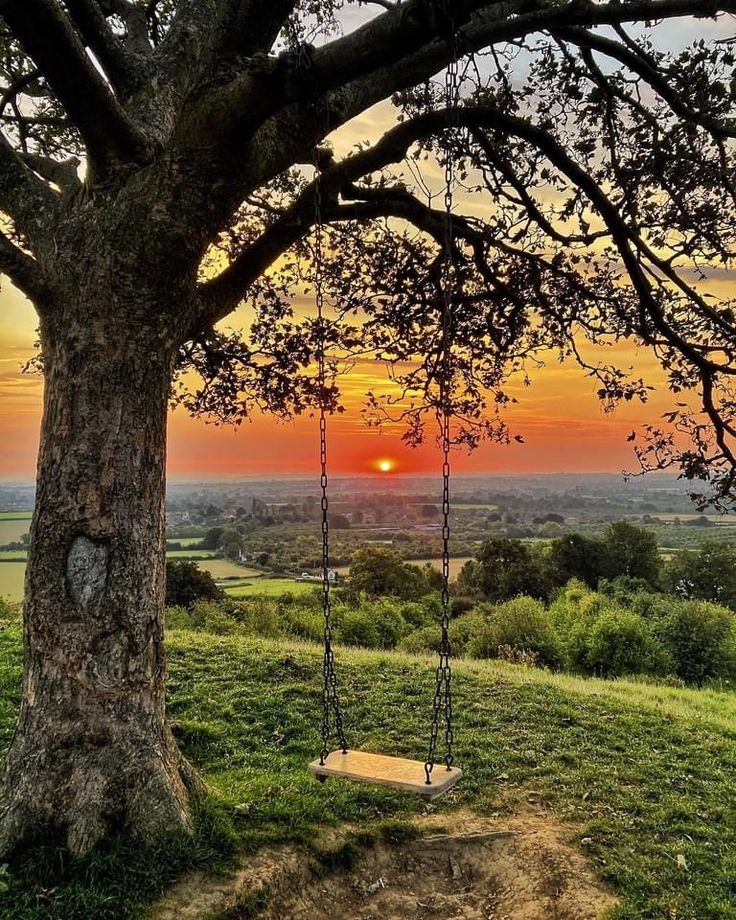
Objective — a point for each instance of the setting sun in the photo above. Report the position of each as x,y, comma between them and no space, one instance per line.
385,466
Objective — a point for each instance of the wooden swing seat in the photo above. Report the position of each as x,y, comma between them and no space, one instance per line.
397,772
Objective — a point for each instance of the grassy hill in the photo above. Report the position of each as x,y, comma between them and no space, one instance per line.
647,772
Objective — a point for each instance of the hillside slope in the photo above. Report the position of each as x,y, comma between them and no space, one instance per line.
646,772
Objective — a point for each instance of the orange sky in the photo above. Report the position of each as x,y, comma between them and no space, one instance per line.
562,422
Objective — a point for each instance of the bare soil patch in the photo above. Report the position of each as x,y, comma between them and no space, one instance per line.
463,867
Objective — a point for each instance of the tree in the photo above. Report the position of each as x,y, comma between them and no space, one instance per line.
504,569
609,165
211,540
378,571
186,583
633,552
708,573
577,556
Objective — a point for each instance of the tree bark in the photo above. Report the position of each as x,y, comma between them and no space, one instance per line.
92,751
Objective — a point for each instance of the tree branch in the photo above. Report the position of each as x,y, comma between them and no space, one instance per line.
395,51
23,271
649,73
61,173
125,71
48,37
394,38
25,198
254,26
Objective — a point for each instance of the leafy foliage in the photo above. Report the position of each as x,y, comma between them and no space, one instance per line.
186,583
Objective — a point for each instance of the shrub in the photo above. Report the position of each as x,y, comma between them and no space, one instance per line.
621,643
186,584
304,624
417,614
425,640
213,618
259,617
464,629
356,627
572,615
461,605
177,618
701,639
522,624
388,621
9,612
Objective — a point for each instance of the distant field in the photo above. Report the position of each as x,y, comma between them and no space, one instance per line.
186,541
12,575
13,554
12,530
455,565
190,554
469,505
224,568
270,587
15,515
718,519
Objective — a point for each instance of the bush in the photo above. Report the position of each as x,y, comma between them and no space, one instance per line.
522,624
356,627
572,615
304,624
388,621
461,605
464,629
213,618
701,638
9,613
186,584
259,617
177,618
422,641
621,643
417,614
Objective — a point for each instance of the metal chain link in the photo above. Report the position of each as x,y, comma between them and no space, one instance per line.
442,701
330,698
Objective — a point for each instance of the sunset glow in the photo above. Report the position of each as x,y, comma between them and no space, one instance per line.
385,466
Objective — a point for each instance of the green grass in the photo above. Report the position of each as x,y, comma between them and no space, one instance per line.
647,772
16,515
269,587
13,555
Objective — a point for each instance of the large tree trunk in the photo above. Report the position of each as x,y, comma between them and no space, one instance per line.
92,751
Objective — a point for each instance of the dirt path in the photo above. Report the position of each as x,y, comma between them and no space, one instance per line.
463,867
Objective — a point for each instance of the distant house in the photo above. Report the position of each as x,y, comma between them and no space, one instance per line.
307,576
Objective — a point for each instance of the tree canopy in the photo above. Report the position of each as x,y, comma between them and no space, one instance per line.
604,162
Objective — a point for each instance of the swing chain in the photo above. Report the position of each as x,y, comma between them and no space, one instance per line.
442,701
330,698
